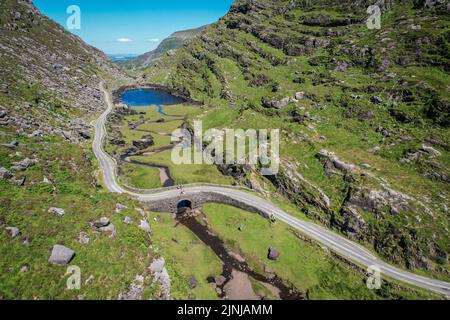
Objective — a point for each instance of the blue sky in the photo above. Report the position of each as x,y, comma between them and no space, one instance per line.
134,26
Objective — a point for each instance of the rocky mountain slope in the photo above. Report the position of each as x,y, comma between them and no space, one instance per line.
364,113
174,41
49,77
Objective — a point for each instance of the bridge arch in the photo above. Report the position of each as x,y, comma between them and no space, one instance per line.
183,205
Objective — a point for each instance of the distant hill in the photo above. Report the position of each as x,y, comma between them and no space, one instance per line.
174,41
122,58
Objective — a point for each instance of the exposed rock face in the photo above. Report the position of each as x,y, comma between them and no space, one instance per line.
61,255
144,142
134,291
330,161
60,71
161,275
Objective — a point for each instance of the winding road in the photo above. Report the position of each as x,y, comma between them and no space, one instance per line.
338,244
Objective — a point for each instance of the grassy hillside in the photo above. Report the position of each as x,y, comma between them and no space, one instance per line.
377,99
173,42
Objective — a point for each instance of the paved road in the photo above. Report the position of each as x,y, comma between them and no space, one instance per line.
333,241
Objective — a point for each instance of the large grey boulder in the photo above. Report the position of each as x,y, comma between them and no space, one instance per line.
277,104
61,255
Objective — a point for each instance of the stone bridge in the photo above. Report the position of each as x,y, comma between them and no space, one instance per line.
180,203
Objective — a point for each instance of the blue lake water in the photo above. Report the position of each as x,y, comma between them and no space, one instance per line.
149,97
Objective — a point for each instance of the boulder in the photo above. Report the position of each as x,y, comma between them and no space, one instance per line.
220,280
299,95
192,282
273,254
276,104
157,265
84,238
430,150
145,226
102,222
120,207
61,255
5,174
13,231
128,220
58,211
24,164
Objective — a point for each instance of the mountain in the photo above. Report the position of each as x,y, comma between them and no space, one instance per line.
50,77
363,113
174,41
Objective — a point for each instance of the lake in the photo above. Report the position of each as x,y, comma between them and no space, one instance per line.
149,97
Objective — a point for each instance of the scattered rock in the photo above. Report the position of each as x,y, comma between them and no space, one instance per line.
277,104
61,255
5,174
84,238
58,211
24,164
299,95
144,142
430,150
273,254
134,291
192,282
162,276
144,225
376,99
120,207
220,280
128,220
329,158
102,222
13,231
12,145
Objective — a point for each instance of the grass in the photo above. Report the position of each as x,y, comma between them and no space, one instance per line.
185,256
113,262
303,264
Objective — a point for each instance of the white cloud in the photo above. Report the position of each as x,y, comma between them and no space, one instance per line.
124,40
154,40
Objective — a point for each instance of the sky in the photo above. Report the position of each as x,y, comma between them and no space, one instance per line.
132,26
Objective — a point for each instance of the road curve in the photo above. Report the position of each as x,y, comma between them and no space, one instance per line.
342,246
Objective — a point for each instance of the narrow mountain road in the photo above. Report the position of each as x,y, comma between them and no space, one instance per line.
340,245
